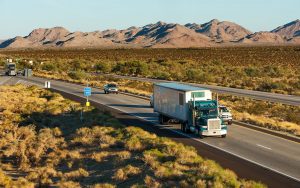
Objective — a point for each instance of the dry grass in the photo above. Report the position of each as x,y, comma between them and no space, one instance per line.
91,154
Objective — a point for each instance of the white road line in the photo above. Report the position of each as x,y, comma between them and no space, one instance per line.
195,139
20,82
263,146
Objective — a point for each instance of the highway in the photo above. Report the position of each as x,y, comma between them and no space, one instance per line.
251,154
258,95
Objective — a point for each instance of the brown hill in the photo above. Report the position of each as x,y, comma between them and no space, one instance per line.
263,37
289,30
80,39
46,36
174,35
220,31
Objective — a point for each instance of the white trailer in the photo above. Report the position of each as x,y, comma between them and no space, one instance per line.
192,106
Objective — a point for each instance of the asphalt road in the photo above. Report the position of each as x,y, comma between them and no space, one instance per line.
258,95
251,154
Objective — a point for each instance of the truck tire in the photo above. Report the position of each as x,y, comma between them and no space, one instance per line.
161,119
201,136
186,128
182,126
230,122
223,136
164,120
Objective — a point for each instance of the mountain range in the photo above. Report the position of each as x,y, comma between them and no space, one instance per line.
159,35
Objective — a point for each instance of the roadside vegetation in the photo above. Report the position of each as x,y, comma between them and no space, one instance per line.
270,69
43,143
275,116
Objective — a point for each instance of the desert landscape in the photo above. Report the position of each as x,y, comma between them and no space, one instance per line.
149,94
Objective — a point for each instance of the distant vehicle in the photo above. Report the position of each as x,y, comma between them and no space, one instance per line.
10,69
20,72
191,106
151,100
225,114
111,88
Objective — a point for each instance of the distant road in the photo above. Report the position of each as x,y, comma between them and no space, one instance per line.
258,95
251,154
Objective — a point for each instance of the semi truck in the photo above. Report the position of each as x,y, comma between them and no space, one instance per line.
10,69
192,107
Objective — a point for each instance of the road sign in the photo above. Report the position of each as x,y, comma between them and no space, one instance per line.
87,91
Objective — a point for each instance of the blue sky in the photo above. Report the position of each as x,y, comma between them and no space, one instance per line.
19,17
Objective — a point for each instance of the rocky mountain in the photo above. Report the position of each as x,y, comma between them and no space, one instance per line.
162,35
220,31
289,30
263,38
158,35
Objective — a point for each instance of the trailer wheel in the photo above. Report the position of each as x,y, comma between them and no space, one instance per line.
161,119
182,127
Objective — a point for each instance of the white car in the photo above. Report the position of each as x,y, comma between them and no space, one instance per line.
225,114
151,101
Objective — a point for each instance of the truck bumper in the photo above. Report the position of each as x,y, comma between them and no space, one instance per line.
213,132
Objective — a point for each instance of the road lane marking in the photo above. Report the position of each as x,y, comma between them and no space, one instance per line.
259,145
188,136
277,137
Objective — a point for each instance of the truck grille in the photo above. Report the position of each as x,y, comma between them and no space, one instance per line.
214,124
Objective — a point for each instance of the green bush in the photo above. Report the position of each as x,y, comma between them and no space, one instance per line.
78,75
49,67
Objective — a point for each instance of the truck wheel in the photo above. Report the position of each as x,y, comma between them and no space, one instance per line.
182,127
201,136
160,119
230,122
223,136
186,128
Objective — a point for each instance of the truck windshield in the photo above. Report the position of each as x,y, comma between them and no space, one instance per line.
224,109
111,85
11,67
209,112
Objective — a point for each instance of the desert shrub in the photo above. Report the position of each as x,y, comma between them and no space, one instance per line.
267,86
103,185
252,72
42,176
49,67
151,182
7,182
103,67
76,174
126,172
68,184
78,75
